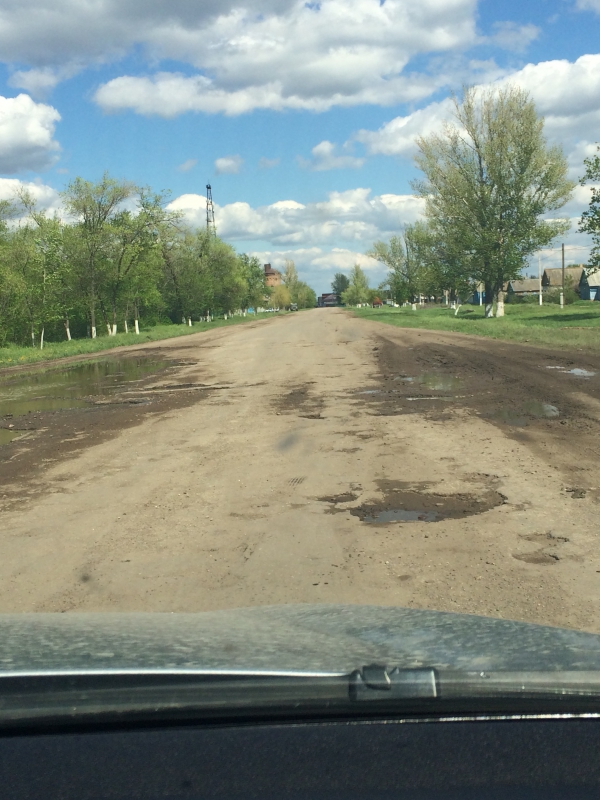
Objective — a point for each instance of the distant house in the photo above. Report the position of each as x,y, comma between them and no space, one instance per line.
272,276
522,287
552,278
589,286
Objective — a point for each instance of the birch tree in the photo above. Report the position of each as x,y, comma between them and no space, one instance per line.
490,176
590,219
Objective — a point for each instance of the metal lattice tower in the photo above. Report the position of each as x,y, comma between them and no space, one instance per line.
210,212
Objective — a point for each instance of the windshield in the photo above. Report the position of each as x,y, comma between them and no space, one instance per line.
299,335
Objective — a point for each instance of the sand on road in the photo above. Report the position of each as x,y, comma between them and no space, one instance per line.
251,476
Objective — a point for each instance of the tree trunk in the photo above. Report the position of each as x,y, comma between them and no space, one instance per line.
114,329
67,329
126,328
137,327
190,321
500,306
32,335
42,339
489,301
114,323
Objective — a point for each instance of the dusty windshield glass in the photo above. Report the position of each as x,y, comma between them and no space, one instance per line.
299,307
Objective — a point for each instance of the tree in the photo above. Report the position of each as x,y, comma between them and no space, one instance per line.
290,277
95,205
280,297
488,181
590,219
254,276
304,296
340,283
358,290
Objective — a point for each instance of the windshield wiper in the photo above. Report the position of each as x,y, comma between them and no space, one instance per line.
65,698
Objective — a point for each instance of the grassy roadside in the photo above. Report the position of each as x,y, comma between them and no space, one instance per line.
576,326
13,355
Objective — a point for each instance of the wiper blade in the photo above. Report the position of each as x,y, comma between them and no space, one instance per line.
65,698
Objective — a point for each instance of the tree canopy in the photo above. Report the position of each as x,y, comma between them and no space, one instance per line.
489,179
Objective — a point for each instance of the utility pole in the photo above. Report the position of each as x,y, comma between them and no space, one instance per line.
210,212
540,276
562,288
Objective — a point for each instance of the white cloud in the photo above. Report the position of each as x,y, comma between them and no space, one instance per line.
287,54
589,5
511,36
268,163
352,216
566,93
26,135
325,157
229,165
37,82
188,165
47,198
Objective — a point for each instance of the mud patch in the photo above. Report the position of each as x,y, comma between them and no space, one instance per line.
299,400
404,502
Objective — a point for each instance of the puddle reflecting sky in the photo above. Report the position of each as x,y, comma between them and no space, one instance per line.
57,389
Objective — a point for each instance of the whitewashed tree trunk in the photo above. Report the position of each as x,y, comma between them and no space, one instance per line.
414,306
126,328
32,335
93,331
500,305
42,339
489,310
137,327
457,309
114,329
190,322
67,329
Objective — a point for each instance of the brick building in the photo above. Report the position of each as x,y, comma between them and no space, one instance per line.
273,277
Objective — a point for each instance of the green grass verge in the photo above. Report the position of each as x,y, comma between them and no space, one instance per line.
13,355
575,326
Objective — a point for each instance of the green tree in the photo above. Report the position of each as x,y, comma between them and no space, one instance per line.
358,290
304,296
590,219
254,276
489,178
95,206
280,297
340,283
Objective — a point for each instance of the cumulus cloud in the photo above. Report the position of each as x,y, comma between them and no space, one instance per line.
566,93
589,5
325,157
229,165
287,54
47,198
352,216
188,165
26,135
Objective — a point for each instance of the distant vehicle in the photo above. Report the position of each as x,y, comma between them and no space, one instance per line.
294,307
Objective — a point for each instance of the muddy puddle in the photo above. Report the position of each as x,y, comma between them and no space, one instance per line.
73,386
520,417
577,371
403,502
434,381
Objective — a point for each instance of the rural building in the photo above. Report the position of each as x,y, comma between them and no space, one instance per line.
589,286
552,278
273,277
523,287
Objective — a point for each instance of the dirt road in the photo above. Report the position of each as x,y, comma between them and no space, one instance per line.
268,459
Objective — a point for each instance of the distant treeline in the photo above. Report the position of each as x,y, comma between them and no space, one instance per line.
121,259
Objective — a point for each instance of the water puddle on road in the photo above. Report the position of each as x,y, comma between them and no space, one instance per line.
59,389
7,436
434,381
577,371
520,417
401,502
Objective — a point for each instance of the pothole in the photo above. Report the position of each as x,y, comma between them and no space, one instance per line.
402,502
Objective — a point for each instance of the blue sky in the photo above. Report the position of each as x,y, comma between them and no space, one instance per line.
302,116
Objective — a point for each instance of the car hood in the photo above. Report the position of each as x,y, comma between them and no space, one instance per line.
291,638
